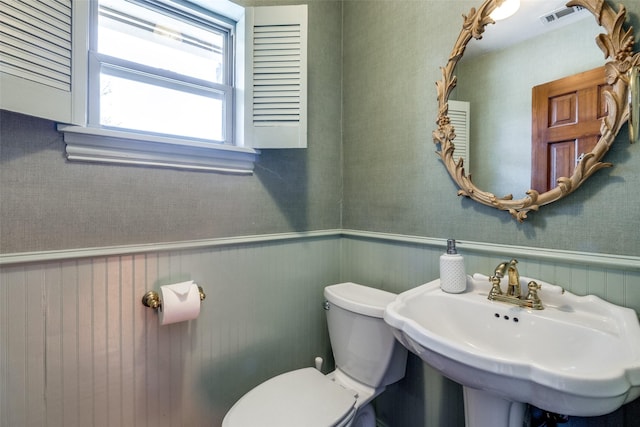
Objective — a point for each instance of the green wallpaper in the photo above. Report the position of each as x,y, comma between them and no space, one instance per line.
370,164
49,204
393,180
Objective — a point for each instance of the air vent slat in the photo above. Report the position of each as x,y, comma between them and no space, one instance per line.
562,14
35,41
276,74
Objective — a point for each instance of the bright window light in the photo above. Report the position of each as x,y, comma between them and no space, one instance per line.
162,71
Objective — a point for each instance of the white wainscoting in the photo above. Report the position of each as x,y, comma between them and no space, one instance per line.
397,263
77,348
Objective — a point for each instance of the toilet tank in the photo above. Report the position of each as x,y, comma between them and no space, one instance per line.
363,345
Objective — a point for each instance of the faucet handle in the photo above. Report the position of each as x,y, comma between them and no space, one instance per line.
534,286
533,294
495,286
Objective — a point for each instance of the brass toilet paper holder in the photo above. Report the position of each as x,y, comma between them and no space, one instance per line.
152,299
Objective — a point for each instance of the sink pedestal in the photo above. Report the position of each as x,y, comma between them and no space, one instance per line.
484,409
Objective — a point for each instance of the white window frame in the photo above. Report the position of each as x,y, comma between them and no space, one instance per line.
100,63
100,145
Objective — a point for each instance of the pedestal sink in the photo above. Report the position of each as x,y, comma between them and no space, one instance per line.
579,356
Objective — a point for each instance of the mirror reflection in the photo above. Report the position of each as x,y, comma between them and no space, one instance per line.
497,78
573,165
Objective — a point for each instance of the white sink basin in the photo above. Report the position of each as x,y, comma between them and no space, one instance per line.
578,356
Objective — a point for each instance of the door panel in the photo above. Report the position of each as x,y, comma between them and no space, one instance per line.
567,115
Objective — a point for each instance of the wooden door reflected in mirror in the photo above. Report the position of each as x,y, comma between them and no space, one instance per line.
566,117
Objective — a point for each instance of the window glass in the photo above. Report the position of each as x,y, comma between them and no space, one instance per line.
162,70
120,109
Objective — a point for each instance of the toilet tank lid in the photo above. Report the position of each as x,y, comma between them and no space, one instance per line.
358,298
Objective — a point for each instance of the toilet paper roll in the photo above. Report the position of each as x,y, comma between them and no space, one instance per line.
180,302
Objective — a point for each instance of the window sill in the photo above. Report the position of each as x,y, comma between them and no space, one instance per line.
117,147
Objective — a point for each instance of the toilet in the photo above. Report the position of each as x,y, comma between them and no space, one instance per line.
367,358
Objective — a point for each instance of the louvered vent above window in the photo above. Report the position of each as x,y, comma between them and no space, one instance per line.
35,41
276,75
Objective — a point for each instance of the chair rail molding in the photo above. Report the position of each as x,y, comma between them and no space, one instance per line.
624,262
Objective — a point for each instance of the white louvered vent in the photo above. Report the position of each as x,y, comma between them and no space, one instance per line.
564,15
459,116
276,75
35,41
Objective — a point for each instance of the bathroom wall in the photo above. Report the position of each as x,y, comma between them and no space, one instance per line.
51,204
397,263
395,183
78,349
393,180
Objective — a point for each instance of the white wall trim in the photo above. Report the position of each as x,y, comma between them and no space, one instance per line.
98,145
624,262
65,254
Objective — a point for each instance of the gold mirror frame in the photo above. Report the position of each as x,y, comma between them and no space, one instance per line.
634,102
617,45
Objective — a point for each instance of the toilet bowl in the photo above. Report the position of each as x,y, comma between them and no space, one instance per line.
367,356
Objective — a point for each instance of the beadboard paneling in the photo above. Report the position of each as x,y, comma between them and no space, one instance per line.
398,263
79,348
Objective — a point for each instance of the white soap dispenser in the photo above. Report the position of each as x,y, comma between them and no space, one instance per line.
453,278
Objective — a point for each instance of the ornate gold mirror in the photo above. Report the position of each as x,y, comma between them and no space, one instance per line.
615,42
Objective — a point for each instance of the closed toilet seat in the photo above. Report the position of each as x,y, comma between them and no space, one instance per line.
304,397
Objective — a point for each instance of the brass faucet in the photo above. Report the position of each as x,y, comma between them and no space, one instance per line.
514,293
